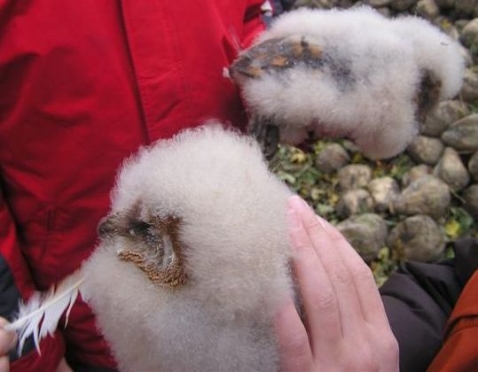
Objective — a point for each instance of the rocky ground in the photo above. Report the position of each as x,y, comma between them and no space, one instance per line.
411,206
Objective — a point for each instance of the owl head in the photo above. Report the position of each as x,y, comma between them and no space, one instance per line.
193,258
201,214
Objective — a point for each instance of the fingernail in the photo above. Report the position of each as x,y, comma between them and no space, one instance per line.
294,201
292,219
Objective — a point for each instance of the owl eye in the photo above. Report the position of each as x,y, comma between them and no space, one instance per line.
139,228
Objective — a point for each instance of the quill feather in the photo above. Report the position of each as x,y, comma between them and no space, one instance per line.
40,315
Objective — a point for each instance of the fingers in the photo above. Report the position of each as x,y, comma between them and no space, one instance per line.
362,278
292,339
339,294
7,339
316,289
4,364
7,342
63,366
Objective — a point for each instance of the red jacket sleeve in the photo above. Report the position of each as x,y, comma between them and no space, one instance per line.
16,284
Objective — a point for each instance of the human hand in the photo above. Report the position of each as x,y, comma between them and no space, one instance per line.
345,327
7,342
63,366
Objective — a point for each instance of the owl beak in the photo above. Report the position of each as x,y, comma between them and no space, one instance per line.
106,227
243,69
267,134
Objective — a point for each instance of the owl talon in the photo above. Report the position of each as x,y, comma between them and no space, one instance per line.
267,134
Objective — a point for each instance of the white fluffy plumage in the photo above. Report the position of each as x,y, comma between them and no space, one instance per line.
206,201
433,51
348,73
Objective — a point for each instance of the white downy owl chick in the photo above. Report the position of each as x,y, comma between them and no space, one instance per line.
194,258
346,73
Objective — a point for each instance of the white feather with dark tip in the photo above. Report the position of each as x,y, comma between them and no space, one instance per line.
39,316
347,73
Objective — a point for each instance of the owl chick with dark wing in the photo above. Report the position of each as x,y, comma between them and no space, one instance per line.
346,73
194,257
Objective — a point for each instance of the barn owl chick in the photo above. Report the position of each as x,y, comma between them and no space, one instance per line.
193,259
346,73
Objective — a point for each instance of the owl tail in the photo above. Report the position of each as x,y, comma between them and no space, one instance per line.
40,315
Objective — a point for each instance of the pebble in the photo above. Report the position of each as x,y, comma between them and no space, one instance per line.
452,170
463,134
426,150
417,238
354,176
366,233
427,195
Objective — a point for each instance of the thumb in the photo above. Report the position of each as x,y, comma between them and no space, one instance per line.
8,339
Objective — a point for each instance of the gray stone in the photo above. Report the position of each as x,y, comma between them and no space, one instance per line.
402,5
469,33
345,3
427,195
417,238
384,11
461,23
451,169
384,191
321,4
366,233
354,176
350,146
445,114
470,195
355,201
469,89
426,150
445,4
463,134
473,166
465,8
331,158
415,173
378,3
428,9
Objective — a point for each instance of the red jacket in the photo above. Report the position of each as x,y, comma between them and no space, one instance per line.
83,84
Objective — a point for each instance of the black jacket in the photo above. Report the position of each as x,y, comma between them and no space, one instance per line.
419,298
